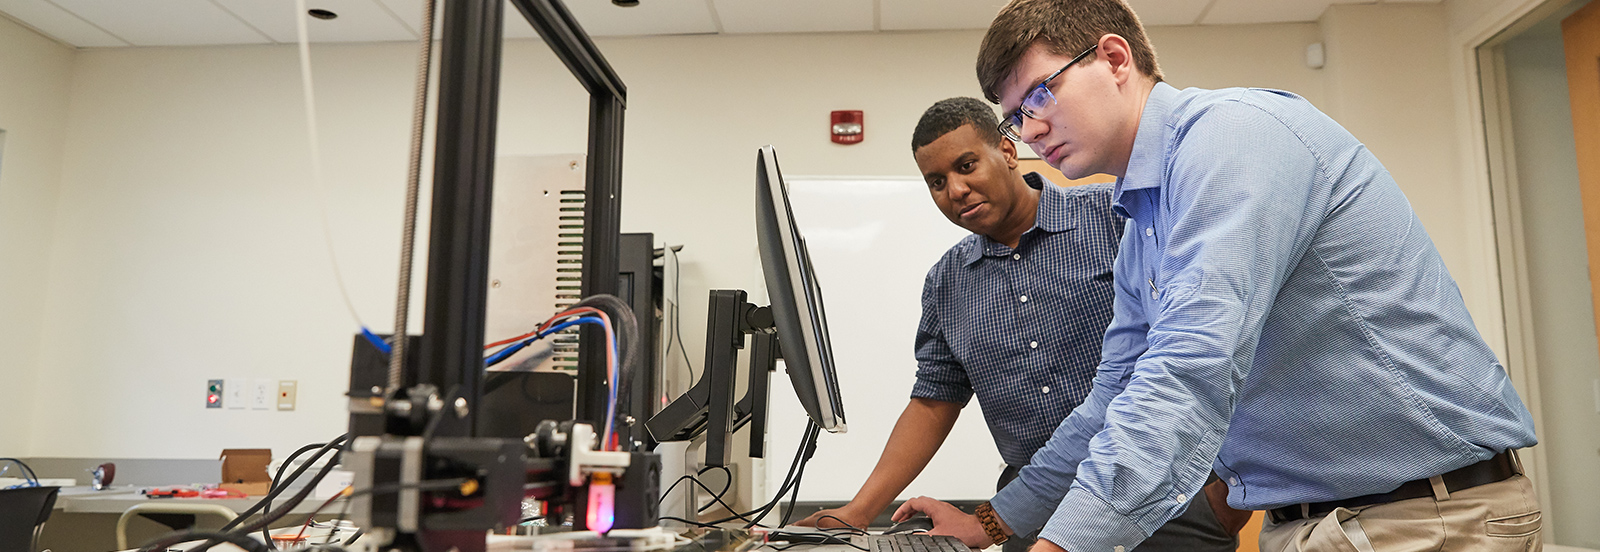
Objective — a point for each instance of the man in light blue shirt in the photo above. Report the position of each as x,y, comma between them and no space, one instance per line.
1281,317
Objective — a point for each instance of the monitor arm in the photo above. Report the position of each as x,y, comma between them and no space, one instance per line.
709,406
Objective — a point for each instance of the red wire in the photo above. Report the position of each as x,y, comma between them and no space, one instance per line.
546,324
336,496
611,347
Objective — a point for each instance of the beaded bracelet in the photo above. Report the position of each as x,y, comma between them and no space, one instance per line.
987,517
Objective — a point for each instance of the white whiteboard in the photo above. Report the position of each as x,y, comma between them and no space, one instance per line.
872,240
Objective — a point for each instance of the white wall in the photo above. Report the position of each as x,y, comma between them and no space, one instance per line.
34,76
1558,279
1387,75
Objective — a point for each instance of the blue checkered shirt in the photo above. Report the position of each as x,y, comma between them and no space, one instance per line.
1281,318
1022,327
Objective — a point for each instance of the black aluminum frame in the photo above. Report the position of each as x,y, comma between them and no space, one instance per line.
458,246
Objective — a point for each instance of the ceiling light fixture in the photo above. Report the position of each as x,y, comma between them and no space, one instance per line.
625,3
321,14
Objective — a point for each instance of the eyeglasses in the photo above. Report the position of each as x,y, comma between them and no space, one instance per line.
1036,100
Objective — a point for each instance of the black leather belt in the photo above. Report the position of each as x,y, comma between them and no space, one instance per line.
1496,469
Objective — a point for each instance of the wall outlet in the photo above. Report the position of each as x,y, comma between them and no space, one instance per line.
286,394
233,394
214,393
261,394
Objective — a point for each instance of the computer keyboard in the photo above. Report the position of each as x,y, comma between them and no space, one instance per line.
913,542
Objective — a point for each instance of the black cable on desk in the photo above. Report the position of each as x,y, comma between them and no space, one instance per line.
279,488
808,446
187,536
809,539
727,483
241,540
279,483
847,526
717,498
807,442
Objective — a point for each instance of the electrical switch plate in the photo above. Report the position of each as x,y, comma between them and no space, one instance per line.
214,393
261,394
233,394
286,394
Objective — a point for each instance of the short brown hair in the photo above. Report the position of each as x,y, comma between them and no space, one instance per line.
1066,28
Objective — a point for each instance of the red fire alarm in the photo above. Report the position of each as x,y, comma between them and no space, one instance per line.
847,127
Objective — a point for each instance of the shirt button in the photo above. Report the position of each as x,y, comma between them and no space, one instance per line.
1045,389
1017,256
1033,345
1155,295
1233,481
1183,498
1023,298
1150,231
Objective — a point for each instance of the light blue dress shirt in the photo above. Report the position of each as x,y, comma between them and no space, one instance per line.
1281,318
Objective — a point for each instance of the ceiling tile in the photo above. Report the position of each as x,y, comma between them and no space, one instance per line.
912,15
165,22
794,16
650,17
1233,12
358,21
1168,12
58,23
410,12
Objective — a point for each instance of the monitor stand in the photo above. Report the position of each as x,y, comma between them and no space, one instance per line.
709,406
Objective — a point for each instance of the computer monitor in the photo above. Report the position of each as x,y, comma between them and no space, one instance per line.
796,298
793,328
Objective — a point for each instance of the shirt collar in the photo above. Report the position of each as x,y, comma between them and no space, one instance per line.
1144,165
1055,213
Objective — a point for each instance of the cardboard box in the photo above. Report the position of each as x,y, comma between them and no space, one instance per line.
245,470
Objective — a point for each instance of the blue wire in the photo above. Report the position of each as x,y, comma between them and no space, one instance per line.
611,410
375,340
505,353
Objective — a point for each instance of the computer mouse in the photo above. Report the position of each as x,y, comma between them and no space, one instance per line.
916,524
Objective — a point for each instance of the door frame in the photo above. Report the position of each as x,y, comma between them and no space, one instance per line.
1478,67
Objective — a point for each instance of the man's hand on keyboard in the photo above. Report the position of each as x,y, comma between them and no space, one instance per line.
947,520
836,517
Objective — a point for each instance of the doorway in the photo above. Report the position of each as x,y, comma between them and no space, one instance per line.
1547,258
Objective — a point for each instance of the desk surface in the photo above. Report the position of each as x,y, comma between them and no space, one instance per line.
713,540
116,500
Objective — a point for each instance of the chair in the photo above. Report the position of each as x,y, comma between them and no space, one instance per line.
173,514
22,515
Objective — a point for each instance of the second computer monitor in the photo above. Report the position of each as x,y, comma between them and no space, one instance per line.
796,298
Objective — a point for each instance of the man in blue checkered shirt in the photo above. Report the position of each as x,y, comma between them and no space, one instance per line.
1014,313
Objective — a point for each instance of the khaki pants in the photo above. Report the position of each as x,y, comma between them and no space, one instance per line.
1497,517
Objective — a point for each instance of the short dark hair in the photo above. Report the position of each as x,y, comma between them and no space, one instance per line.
1066,28
950,114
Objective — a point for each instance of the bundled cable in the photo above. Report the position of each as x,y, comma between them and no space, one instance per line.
279,483
229,534
599,310
791,484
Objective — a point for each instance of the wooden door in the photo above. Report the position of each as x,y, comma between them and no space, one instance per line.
1581,34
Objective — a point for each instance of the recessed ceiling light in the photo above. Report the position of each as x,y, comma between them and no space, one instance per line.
625,3
321,14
